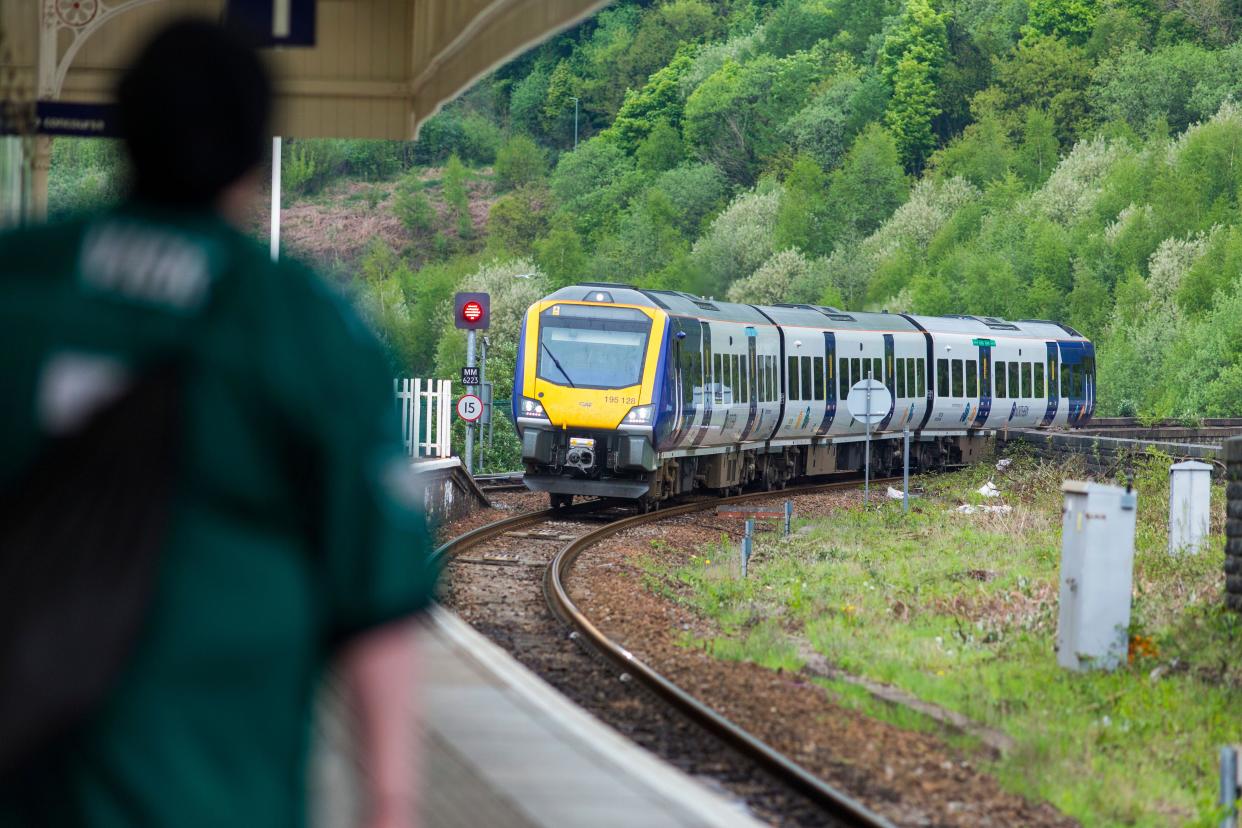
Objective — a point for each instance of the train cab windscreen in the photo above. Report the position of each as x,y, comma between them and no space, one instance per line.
588,346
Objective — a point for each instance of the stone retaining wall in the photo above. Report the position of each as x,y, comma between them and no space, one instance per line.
1108,455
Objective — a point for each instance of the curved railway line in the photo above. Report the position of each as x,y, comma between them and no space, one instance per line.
565,528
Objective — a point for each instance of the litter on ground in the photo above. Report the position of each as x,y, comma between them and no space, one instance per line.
967,509
989,490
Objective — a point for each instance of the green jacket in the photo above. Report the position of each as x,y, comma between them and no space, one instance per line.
295,526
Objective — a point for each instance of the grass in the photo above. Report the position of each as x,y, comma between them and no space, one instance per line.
961,610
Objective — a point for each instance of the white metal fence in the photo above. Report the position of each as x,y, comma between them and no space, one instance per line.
426,415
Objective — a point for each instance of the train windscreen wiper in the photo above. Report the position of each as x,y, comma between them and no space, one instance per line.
557,362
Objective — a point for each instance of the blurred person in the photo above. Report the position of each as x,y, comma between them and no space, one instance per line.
204,497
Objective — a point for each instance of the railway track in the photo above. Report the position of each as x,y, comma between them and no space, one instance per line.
570,532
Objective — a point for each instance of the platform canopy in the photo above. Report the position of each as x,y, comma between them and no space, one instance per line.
377,68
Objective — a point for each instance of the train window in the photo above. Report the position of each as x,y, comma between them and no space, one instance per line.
818,368
761,378
792,375
958,389
901,378
942,378
807,385
1026,380
1054,388
843,378
972,378
998,369
718,380
736,378
910,386
921,373
1014,389
856,372
1039,379
877,369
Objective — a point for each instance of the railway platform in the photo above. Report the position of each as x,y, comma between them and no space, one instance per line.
502,748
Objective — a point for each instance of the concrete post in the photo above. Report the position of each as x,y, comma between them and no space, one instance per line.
1097,571
1233,524
1190,502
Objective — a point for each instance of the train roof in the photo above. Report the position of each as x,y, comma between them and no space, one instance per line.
993,326
811,316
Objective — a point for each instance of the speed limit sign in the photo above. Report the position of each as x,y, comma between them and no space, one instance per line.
470,408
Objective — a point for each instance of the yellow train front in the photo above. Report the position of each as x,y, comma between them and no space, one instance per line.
586,393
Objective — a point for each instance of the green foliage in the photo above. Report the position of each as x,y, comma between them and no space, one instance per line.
658,101
560,254
457,197
660,150
1068,159
86,174
1073,20
519,163
803,221
411,205
733,119
869,185
517,219
471,136
826,126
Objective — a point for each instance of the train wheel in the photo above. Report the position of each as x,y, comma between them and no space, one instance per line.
645,505
561,501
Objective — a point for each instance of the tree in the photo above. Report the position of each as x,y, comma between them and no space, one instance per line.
457,197
660,150
517,219
560,255
1045,73
1073,20
527,100
658,101
981,154
733,119
796,25
697,191
411,206
825,127
911,112
869,185
801,221
1039,151
738,241
788,276
519,162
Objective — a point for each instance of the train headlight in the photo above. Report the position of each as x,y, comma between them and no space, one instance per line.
639,415
532,408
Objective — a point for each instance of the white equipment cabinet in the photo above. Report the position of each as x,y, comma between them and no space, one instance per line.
1097,571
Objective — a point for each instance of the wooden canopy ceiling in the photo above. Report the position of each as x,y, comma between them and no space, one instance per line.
377,70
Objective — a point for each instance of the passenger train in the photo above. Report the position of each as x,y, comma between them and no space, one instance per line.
648,394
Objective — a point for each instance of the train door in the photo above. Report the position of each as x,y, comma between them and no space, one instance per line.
830,383
1054,391
889,367
985,383
1073,381
751,374
688,362
709,384
1089,366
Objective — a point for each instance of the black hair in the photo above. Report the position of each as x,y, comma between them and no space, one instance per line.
194,108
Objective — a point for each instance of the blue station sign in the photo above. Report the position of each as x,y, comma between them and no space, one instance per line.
78,120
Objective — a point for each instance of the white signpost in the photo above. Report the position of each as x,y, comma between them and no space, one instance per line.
469,408
868,402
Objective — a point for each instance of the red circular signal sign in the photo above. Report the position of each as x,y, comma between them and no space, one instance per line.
472,311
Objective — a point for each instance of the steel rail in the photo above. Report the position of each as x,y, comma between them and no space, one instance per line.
825,795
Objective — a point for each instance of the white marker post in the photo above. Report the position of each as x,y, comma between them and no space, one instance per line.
868,401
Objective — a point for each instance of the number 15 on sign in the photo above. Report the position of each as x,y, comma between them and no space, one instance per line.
470,408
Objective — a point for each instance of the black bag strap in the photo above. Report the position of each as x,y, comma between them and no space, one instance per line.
80,538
